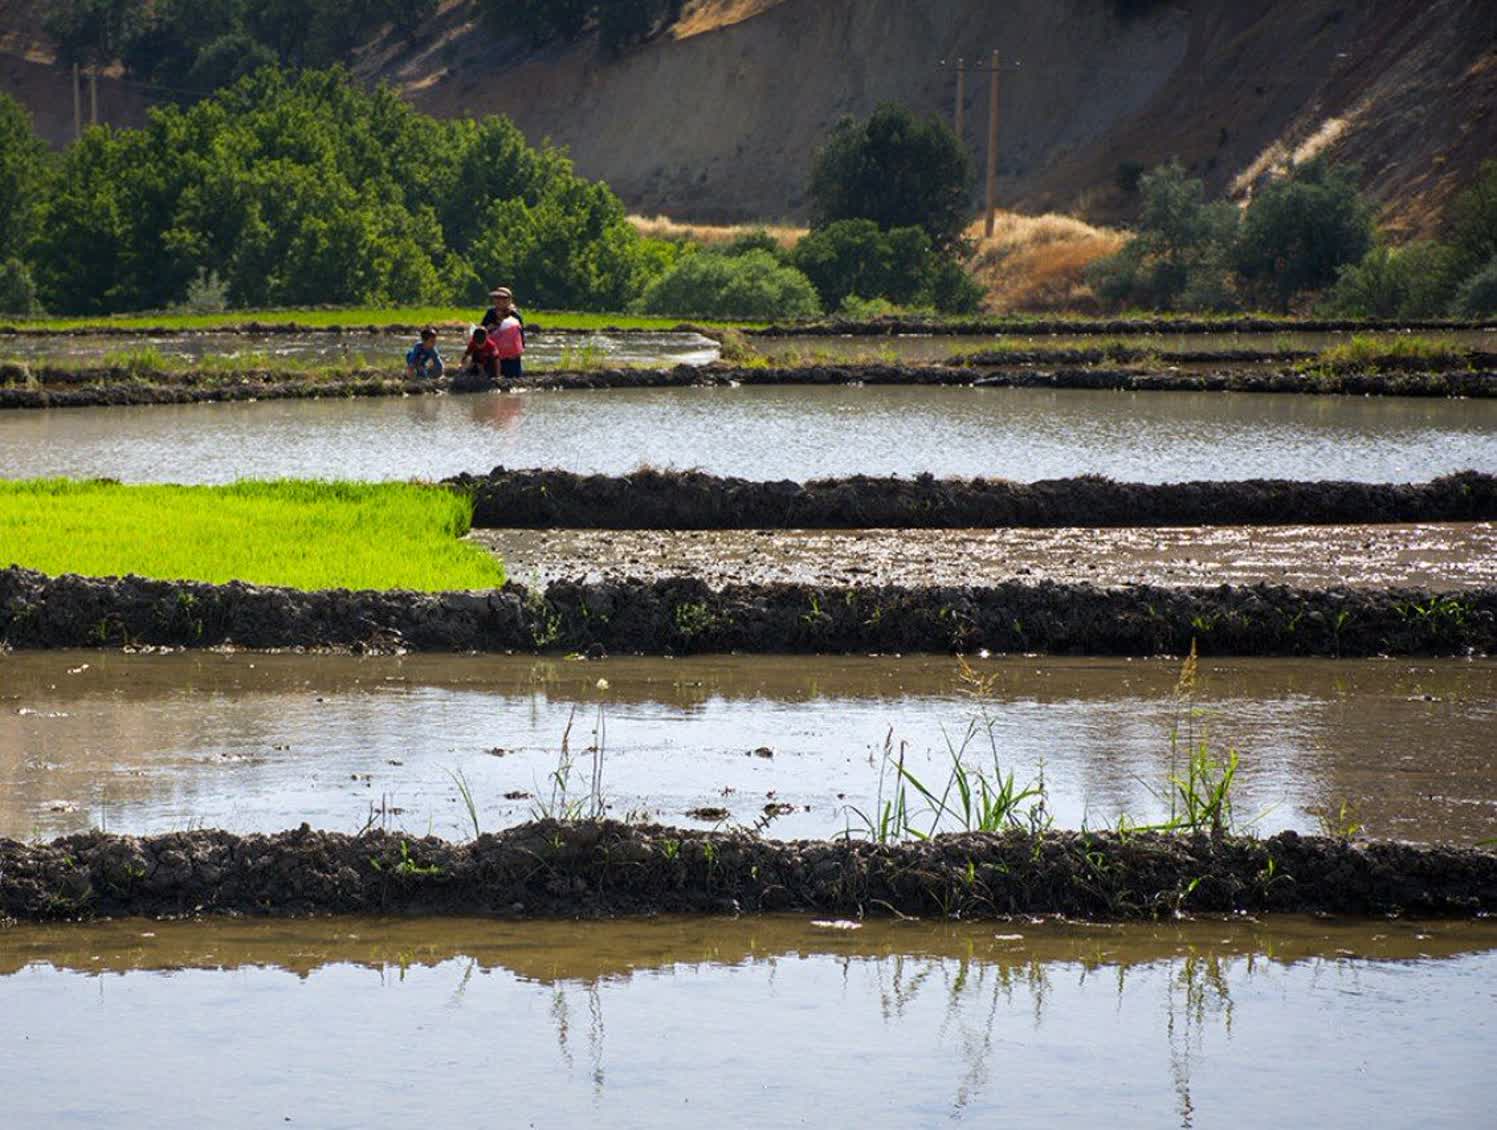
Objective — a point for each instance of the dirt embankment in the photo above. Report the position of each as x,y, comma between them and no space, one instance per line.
680,615
689,500
97,388
597,869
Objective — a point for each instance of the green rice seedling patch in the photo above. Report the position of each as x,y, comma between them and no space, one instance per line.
299,533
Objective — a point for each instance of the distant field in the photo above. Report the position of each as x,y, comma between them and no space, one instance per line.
356,317
303,534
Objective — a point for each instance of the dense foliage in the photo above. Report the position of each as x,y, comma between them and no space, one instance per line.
196,46
853,259
896,169
751,285
308,189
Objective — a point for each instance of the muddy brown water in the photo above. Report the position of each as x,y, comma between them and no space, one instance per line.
932,348
769,433
256,742
543,350
760,1021
1444,557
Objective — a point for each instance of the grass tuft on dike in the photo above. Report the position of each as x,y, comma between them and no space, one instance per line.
297,533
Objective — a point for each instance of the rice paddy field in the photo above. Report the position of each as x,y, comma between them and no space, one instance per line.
961,1012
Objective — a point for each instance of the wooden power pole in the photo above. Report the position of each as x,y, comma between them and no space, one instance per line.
992,144
93,97
961,97
77,105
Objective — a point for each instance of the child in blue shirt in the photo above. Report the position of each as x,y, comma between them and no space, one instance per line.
423,360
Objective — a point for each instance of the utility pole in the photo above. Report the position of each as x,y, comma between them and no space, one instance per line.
77,105
992,144
961,97
93,97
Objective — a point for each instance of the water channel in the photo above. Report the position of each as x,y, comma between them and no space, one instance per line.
256,742
1023,434
775,1021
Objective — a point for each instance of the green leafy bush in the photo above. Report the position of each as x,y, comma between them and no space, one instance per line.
1416,281
1178,257
897,170
754,285
900,266
17,290
1477,297
1299,232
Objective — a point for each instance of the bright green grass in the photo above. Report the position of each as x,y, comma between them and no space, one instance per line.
360,317
304,534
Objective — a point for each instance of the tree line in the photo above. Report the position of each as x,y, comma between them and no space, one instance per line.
1305,238
304,188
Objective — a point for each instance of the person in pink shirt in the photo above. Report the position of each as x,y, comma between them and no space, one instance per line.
506,329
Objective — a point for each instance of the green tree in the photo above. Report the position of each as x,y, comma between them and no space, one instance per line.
1299,232
895,169
91,32
1177,258
24,167
1477,297
1472,221
17,289
753,285
1415,281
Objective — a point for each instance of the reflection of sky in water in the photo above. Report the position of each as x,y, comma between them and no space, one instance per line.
1191,1035
770,433
81,755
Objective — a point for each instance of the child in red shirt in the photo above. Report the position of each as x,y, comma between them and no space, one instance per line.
484,354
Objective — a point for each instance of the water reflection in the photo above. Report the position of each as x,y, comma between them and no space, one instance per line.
684,1021
262,742
1022,434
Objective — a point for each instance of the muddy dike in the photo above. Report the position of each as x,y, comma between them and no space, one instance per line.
695,500
1074,327
22,388
683,615
95,388
554,869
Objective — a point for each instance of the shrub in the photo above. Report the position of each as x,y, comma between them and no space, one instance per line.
1417,281
17,290
1477,297
1300,231
895,169
1473,221
1178,257
853,257
754,285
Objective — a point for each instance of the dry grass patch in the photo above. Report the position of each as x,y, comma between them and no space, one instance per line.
712,235
1036,263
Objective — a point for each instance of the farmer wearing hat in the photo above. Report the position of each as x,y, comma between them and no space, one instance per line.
506,326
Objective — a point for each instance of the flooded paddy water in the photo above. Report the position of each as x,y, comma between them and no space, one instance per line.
543,350
764,1021
260,742
1023,434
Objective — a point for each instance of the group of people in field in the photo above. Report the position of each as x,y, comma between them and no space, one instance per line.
495,345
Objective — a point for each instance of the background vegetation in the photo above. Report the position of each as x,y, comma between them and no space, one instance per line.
1306,234
308,535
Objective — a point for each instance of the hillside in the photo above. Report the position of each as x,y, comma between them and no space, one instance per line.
716,119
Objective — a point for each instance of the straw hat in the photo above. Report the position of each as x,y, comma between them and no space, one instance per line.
501,292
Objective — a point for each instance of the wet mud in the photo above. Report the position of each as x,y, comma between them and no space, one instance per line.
1440,558
550,869
22,387
694,500
684,615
